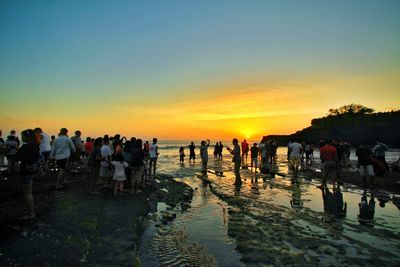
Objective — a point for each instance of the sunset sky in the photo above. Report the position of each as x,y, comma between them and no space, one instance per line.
193,69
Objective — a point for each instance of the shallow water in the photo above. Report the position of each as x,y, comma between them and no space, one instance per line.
271,221
280,221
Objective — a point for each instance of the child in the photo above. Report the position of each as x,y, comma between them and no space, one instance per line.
181,154
119,173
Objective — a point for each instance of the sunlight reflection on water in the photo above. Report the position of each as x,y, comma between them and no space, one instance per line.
295,207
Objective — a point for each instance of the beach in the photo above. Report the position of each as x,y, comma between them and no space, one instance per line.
187,218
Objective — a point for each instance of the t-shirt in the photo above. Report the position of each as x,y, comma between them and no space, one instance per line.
328,152
12,147
204,152
96,153
28,154
254,151
191,148
119,170
88,147
44,143
236,154
364,156
137,157
153,151
62,148
245,147
379,150
77,141
105,152
295,149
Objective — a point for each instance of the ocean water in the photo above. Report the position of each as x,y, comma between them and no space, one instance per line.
271,221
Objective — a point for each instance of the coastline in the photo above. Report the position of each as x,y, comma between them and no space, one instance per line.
72,202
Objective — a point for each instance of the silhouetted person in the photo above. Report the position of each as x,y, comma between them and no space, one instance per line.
192,154
236,160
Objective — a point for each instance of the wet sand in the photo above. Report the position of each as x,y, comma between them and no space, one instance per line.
92,231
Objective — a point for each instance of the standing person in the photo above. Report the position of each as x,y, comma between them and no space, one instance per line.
346,153
263,152
272,152
136,165
146,147
61,151
52,140
88,146
76,156
365,164
215,153
245,152
307,150
106,171
94,163
295,149
379,153
145,175
14,133
3,148
288,150
221,147
45,149
366,209
192,154
204,155
329,158
119,173
236,160
153,155
29,156
254,151
12,148
181,154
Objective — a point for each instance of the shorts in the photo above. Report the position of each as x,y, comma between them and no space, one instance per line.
295,161
61,163
46,155
137,173
106,171
27,179
367,170
329,169
192,156
254,161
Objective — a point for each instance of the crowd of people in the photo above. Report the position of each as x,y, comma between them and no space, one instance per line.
132,163
126,162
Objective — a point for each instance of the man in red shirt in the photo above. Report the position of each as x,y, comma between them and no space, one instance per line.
328,155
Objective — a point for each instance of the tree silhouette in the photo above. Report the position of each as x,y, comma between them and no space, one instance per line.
350,109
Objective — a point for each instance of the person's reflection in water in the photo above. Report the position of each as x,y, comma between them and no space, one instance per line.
237,189
367,209
254,186
333,202
341,208
296,201
383,198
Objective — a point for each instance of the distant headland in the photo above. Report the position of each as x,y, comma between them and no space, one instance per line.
353,123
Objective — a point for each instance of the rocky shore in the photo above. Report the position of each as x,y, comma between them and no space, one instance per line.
97,228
